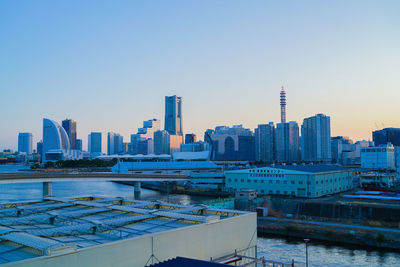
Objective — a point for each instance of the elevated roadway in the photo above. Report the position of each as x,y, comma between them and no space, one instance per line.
23,177
48,177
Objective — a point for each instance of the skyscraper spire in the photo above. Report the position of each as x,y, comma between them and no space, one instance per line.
283,105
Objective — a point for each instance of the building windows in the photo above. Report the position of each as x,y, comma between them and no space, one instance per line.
262,181
229,180
270,181
300,182
285,182
248,180
270,191
277,181
278,192
242,180
235,180
292,182
285,192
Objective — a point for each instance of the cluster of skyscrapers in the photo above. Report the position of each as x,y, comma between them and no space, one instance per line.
60,142
284,142
275,144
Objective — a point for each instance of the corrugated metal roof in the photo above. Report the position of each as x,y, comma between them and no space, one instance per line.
31,240
311,168
59,225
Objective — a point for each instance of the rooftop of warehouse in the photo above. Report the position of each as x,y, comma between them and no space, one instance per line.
310,168
314,168
61,225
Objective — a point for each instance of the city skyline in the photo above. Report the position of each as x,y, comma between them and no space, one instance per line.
338,59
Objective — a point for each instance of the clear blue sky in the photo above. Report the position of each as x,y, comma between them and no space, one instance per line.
109,64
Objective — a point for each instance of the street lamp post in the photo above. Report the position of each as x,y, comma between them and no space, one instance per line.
306,240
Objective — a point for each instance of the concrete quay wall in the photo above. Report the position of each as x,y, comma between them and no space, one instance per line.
334,232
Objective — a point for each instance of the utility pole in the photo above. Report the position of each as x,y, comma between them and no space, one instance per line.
306,240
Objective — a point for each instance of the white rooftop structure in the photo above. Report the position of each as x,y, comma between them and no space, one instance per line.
94,231
201,155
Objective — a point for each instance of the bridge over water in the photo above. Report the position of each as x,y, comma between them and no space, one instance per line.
48,177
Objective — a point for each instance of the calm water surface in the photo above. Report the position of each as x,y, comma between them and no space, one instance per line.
277,249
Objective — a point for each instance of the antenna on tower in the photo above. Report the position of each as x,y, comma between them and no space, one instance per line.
283,105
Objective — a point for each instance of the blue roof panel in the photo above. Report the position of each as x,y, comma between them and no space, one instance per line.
312,168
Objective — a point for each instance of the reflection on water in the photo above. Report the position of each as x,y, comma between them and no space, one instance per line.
276,249
33,191
323,254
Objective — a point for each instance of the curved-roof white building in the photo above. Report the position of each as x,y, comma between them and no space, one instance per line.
54,137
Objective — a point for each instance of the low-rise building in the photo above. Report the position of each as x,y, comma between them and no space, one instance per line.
292,180
378,157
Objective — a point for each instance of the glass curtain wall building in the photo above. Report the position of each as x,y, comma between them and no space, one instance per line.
70,128
173,115
287,142
316,138
25,143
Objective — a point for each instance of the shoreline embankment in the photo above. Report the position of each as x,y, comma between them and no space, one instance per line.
349,234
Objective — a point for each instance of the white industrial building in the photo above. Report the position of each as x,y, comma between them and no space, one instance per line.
292,180
378,157
116,232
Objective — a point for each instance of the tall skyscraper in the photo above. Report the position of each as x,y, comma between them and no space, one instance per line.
173,115
94,143
386,136
70,127
287,142
316,138
265,142
283,105
25,143
115,144
54,138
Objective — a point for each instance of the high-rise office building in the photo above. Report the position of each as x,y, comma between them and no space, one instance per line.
173,115
265,142
39,148
339,146
25,143
142,142
386,136
161,142
94,143
70,128
78,144
287,142
54,138
231,143
115,143
316,138
190,138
